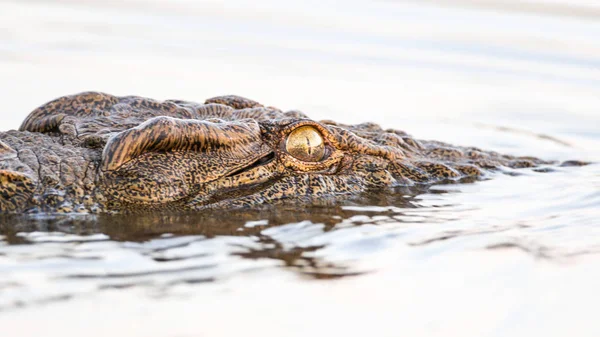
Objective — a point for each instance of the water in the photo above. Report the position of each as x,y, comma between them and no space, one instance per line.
512,255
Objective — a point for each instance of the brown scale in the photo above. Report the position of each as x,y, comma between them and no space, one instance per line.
97,153
235,102
438,170
409,172
444,153
15,190
468,170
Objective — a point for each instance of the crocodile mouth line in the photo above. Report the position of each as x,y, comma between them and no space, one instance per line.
264,160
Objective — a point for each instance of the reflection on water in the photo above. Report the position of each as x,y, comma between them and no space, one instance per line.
163,250
73,255
494,257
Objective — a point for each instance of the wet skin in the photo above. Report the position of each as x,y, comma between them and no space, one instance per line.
96,153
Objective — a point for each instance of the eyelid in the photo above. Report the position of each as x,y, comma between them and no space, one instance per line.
325,133
328,164
303,122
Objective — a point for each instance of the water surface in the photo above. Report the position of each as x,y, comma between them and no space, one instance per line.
516,254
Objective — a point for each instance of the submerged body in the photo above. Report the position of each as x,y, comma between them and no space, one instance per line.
94,152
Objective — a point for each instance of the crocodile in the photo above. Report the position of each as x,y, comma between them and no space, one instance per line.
93,152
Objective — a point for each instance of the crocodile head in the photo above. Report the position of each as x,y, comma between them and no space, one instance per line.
228,152
176,163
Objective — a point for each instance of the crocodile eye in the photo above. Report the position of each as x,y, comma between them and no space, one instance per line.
306,143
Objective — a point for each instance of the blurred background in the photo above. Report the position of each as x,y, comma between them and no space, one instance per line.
510,256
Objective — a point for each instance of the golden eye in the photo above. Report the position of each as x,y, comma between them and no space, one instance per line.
306,143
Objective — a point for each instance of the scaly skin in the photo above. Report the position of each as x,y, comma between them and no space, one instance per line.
93,152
